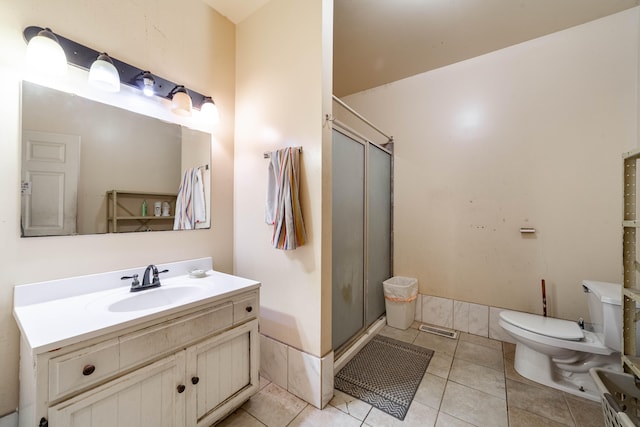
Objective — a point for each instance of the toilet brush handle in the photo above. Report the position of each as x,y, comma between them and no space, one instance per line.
544,299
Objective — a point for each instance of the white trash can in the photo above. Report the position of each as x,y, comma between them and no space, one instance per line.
400,294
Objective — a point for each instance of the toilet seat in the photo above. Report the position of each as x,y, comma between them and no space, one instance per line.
547,326
591,343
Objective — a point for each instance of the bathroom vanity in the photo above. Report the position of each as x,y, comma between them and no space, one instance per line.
94,354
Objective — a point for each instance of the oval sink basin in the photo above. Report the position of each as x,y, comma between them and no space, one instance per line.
153,298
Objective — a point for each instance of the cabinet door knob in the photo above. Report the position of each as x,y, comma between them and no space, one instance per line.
88,370
249,309
181,388
195,380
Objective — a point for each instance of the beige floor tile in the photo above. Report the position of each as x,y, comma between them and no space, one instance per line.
521,418
440,364
415,324
483,341
274,406
436,343
474,406
478,377
419,415
446,420
263,382
586,413
329,416
240,418
430,390
407,335
473,395
543,401
480,355
509,351
350,405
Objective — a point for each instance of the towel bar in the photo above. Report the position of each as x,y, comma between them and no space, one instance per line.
267,154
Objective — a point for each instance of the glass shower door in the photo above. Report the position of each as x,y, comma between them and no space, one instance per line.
378,238
361,235
348,238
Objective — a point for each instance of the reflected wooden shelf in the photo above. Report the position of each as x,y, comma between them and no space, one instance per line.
123,209
631,266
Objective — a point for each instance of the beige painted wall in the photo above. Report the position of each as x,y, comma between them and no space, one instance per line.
183,41
280,88
528,136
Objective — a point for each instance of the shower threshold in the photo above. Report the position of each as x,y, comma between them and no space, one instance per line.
346,354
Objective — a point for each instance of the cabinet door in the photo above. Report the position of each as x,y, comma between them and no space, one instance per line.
146,397
225,372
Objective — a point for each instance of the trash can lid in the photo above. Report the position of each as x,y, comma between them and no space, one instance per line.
401,281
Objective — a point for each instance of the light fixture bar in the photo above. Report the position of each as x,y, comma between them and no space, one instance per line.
82,57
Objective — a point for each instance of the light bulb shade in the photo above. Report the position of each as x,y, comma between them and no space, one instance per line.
181,102
210,111
104,75
44,53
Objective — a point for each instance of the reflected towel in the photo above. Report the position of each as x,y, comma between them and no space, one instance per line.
190,203
288,225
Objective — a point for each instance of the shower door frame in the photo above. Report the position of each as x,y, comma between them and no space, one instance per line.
357,137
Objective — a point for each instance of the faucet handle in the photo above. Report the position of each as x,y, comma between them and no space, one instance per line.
156,279
135,282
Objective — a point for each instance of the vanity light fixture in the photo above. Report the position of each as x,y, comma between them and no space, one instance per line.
104,75
112,72
147,83
45,53
181,103
210,110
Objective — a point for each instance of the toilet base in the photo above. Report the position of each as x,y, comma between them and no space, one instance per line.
539,367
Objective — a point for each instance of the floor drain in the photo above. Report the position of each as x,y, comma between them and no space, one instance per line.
439,331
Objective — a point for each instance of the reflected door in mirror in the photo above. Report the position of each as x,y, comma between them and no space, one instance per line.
50,164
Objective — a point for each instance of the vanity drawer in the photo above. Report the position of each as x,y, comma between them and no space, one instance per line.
149,343
246,308
74,371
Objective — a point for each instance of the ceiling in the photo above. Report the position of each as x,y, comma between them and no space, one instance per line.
381,41
236,10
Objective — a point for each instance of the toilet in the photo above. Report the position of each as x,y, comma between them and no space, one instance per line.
559,353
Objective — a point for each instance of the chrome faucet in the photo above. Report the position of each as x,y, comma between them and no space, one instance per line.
150,279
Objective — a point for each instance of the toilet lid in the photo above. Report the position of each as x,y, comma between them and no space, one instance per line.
548,326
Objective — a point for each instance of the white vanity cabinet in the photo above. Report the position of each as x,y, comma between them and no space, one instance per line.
147,396
188,368
217,369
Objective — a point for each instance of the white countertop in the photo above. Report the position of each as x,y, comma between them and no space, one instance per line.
62,312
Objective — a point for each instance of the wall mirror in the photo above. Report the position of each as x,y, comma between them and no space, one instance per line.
88,167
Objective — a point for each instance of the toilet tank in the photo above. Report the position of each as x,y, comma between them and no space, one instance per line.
605,310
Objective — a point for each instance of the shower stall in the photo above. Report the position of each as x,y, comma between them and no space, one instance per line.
362,233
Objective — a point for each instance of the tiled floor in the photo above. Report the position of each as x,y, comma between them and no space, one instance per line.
469,382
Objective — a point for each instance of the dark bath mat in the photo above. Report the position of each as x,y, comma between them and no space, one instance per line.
386,373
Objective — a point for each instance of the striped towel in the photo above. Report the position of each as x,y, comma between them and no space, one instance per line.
190,204
288,226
